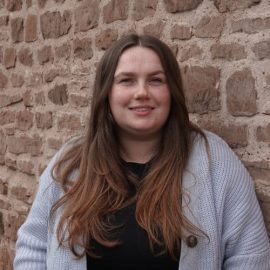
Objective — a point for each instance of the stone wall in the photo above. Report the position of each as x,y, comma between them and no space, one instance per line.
48,54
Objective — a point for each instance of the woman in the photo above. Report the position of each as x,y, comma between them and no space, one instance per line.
144,188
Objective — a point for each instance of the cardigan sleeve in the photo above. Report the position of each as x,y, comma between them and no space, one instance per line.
244,237
31,245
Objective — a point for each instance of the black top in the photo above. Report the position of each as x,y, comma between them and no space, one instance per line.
134,251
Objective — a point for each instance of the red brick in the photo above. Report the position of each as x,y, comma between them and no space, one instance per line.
228,5
9,130
2,227
263,134
144,9
7,255
6,206
53,25
44,120
235,135
25,57
24,120
6,117
231,51
42,3
10,162
192,51
201,88
83,48
13,222
2,3
28,98
24,144
54,143
7,100
154,29
241,93
3,187
106,38
250,25
262,49
180,6
40,98
209,27
78,100
30,28
17,29
115,10
4,20
10,57
51,75
63,51
28,3
69,121
2,161
1,54
3,80
13,5
3,145
58,95
181,32
45,55
87,15
26,166
17,80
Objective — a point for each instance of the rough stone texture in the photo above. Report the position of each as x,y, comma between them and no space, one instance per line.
232,51
250,26
16,80
241,93
44,120
13,5
83,48
58,95
235,135
30,28
263,134
69,121
46,102
53,25
209,27
115,10
190,52
180,6
154,29
78,100
10,57
3,80
24,144
181,32
262,49
201,88
24,120
87,16
25,57
106,38
42,3
144,9
63,51
17,29
231,5
45,55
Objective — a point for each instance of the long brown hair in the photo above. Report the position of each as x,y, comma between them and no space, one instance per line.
100,186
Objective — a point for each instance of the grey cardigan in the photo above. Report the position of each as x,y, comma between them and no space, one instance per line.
222,202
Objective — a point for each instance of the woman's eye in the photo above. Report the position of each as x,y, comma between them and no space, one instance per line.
156,80
126,81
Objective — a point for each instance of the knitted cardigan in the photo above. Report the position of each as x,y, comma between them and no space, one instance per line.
221,202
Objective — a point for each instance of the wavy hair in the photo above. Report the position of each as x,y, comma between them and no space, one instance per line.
100,188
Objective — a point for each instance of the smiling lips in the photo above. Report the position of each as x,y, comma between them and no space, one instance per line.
141,110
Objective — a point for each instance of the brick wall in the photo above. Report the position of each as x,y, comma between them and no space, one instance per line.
48,54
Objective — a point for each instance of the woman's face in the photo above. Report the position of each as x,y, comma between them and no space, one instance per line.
140,98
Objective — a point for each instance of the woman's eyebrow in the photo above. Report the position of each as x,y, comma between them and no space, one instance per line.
133,73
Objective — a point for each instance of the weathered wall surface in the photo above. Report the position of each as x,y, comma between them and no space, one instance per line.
48,53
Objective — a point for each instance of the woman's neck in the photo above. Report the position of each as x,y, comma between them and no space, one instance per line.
140,151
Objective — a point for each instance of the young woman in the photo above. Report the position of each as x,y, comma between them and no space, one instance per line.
144,188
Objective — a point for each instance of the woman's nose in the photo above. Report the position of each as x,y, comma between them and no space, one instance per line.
141,91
